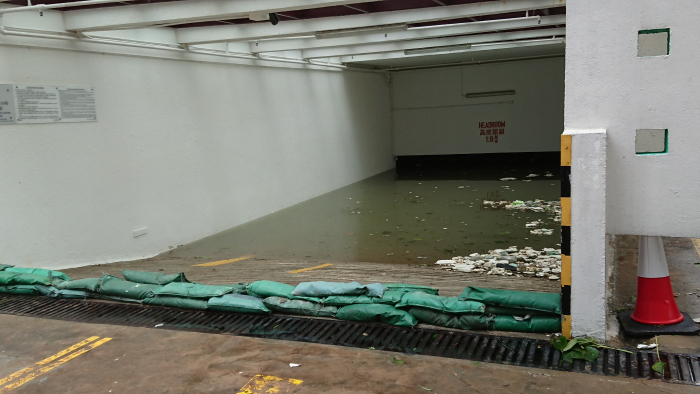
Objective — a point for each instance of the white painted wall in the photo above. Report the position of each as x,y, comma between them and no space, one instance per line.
588,247
608,86
186,149
432,116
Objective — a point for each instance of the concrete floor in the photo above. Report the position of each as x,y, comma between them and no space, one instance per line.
138,360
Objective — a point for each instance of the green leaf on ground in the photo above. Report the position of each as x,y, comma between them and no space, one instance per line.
425,388
435,336
559,342
571,344
659,367
397,361
475,363
371,348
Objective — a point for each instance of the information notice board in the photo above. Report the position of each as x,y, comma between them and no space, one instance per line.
46,104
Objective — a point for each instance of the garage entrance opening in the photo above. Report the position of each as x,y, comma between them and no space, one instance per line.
429,208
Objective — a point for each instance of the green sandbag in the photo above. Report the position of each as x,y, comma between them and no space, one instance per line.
28,290
405,287
53,292
390,297
267,288
440,303
377,312
194,290
17,278
345,300
327,289
545,302
3,266
299,307
239,288
91,284
111,298
153,278
461,321
543,324
505,311
238,303
115,287
38,271
176,302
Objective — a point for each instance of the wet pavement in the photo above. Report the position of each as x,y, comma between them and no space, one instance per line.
145,360
385,219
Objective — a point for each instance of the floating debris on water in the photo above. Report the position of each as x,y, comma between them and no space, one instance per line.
549,207
548,174
532,175
508,179
542,231
509,262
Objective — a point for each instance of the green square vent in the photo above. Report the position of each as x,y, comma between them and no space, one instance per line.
651,142
655,42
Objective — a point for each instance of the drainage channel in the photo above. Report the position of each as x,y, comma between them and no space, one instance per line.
682,368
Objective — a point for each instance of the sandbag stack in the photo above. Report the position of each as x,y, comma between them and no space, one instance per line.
522,311
397,304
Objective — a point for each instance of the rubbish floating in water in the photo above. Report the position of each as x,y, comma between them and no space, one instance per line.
532,175
545,263
159,325
422,257
461,187
292,365
552,208
507,179
542,231
548,174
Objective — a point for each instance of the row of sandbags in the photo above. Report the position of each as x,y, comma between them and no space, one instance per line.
394,303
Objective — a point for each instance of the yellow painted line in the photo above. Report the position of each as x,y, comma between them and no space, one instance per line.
309,269
270,384
696,242
566,150
566,326
565,270
566,211
17,379
48,360
222,262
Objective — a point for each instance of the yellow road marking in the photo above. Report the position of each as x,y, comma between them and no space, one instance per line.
222,262
309,269
48,360
19,378
270,384
696,242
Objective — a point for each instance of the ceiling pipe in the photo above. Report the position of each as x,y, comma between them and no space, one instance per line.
44,7
81,37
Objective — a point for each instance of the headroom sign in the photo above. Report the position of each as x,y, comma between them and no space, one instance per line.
21,104
491,131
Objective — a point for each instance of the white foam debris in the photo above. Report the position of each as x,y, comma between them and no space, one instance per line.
508,179
545,263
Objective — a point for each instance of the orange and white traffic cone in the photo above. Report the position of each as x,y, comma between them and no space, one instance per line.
655,303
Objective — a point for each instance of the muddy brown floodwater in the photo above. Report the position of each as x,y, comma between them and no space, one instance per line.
385,219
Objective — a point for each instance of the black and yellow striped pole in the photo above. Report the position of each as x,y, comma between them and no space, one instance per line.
566,235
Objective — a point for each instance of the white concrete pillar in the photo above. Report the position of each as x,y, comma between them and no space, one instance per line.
588,274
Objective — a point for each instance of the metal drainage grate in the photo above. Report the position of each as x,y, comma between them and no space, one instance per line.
682,368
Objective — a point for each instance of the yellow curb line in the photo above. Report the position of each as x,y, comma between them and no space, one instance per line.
222,262
309,269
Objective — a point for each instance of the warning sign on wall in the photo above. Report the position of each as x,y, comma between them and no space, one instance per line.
491,131
46,104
